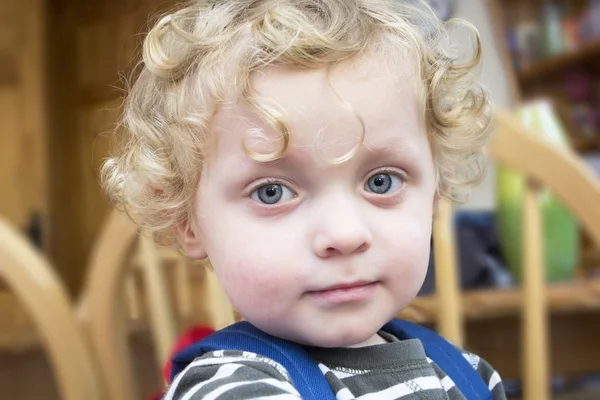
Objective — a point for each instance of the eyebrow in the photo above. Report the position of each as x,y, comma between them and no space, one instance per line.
290,159
407,149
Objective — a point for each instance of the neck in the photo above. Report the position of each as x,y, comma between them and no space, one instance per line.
372,341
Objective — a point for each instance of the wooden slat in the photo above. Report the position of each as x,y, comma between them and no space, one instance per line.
44,297
534,325
162,320
560,170
132,296
101,307
446,275
578,296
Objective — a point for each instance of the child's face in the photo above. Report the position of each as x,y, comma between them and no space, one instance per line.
283,235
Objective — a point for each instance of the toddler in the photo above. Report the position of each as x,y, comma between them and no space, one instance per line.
301,146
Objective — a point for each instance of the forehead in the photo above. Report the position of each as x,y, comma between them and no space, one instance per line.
327,105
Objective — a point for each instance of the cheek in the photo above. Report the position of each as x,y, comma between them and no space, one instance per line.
411,258
407,264
407,244
254,284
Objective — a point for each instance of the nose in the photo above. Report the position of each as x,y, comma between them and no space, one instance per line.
341,232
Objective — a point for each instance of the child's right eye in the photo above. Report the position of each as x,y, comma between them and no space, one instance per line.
271,193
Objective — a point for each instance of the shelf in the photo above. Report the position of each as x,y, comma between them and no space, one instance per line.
17,333
554,64
17,337
486,304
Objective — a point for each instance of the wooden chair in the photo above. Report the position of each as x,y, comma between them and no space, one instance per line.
564,174
109,288
41,292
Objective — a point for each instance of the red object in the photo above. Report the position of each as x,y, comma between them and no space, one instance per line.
188,338
193,335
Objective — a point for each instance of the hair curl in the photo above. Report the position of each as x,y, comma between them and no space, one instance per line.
188,69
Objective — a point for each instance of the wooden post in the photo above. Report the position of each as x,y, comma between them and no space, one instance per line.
535,316
132,297
162,321
101,308
446,275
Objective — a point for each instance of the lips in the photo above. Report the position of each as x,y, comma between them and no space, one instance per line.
346,292
345,286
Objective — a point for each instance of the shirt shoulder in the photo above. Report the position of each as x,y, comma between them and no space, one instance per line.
489,375
232,374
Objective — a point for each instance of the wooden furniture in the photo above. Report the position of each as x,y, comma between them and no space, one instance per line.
44,296
570,79
565,175
103,303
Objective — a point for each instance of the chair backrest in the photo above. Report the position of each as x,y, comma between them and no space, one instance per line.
569,179
543,164
101,307
120,250
162,321
41,292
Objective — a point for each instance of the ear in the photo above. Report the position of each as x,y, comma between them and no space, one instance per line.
436,199
189,241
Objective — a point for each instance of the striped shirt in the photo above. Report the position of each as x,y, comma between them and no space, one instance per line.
396,370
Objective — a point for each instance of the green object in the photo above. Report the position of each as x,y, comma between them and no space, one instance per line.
561,232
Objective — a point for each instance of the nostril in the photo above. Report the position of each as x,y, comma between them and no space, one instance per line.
330,251
362,247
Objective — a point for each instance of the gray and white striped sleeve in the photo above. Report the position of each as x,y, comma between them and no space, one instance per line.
232,375
489,375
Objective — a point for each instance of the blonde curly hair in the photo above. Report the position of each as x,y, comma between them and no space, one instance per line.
192,56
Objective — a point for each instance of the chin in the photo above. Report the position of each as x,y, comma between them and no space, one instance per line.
338,338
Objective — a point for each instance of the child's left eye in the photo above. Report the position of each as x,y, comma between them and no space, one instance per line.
383,183
271,193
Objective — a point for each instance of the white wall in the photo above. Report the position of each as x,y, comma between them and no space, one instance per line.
494,76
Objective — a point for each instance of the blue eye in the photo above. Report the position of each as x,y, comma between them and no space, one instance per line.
271,194
382,183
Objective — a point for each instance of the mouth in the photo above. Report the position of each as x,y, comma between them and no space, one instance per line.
345,293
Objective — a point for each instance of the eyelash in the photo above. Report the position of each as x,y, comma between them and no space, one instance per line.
390,171
268,181
403,176
387,170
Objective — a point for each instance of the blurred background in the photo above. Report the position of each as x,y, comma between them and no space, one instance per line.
62,64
